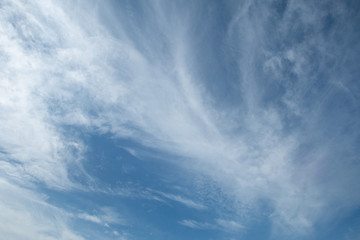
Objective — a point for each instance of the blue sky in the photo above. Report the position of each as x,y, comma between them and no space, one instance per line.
193,120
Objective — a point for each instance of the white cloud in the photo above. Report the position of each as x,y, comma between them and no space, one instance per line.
90,218
195,224
105,217
63,67
229,225
26,215
187,202
219,224
32,145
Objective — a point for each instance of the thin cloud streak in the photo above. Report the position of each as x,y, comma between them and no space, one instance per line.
218,224
185,201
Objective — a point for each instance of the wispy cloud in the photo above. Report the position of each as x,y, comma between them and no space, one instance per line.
135,191
91,218
60,66
26,215
32,144
195,224
187,202
105,217
229,225
218,224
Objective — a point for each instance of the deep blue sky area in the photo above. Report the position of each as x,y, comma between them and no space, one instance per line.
183,120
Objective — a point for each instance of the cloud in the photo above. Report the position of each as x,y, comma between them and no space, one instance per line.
252,150
105,217
90,218
280,138
187,202
219,224
229,225
195,224
32,145
135,191
25,214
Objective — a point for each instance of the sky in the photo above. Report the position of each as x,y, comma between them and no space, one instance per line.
181,120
